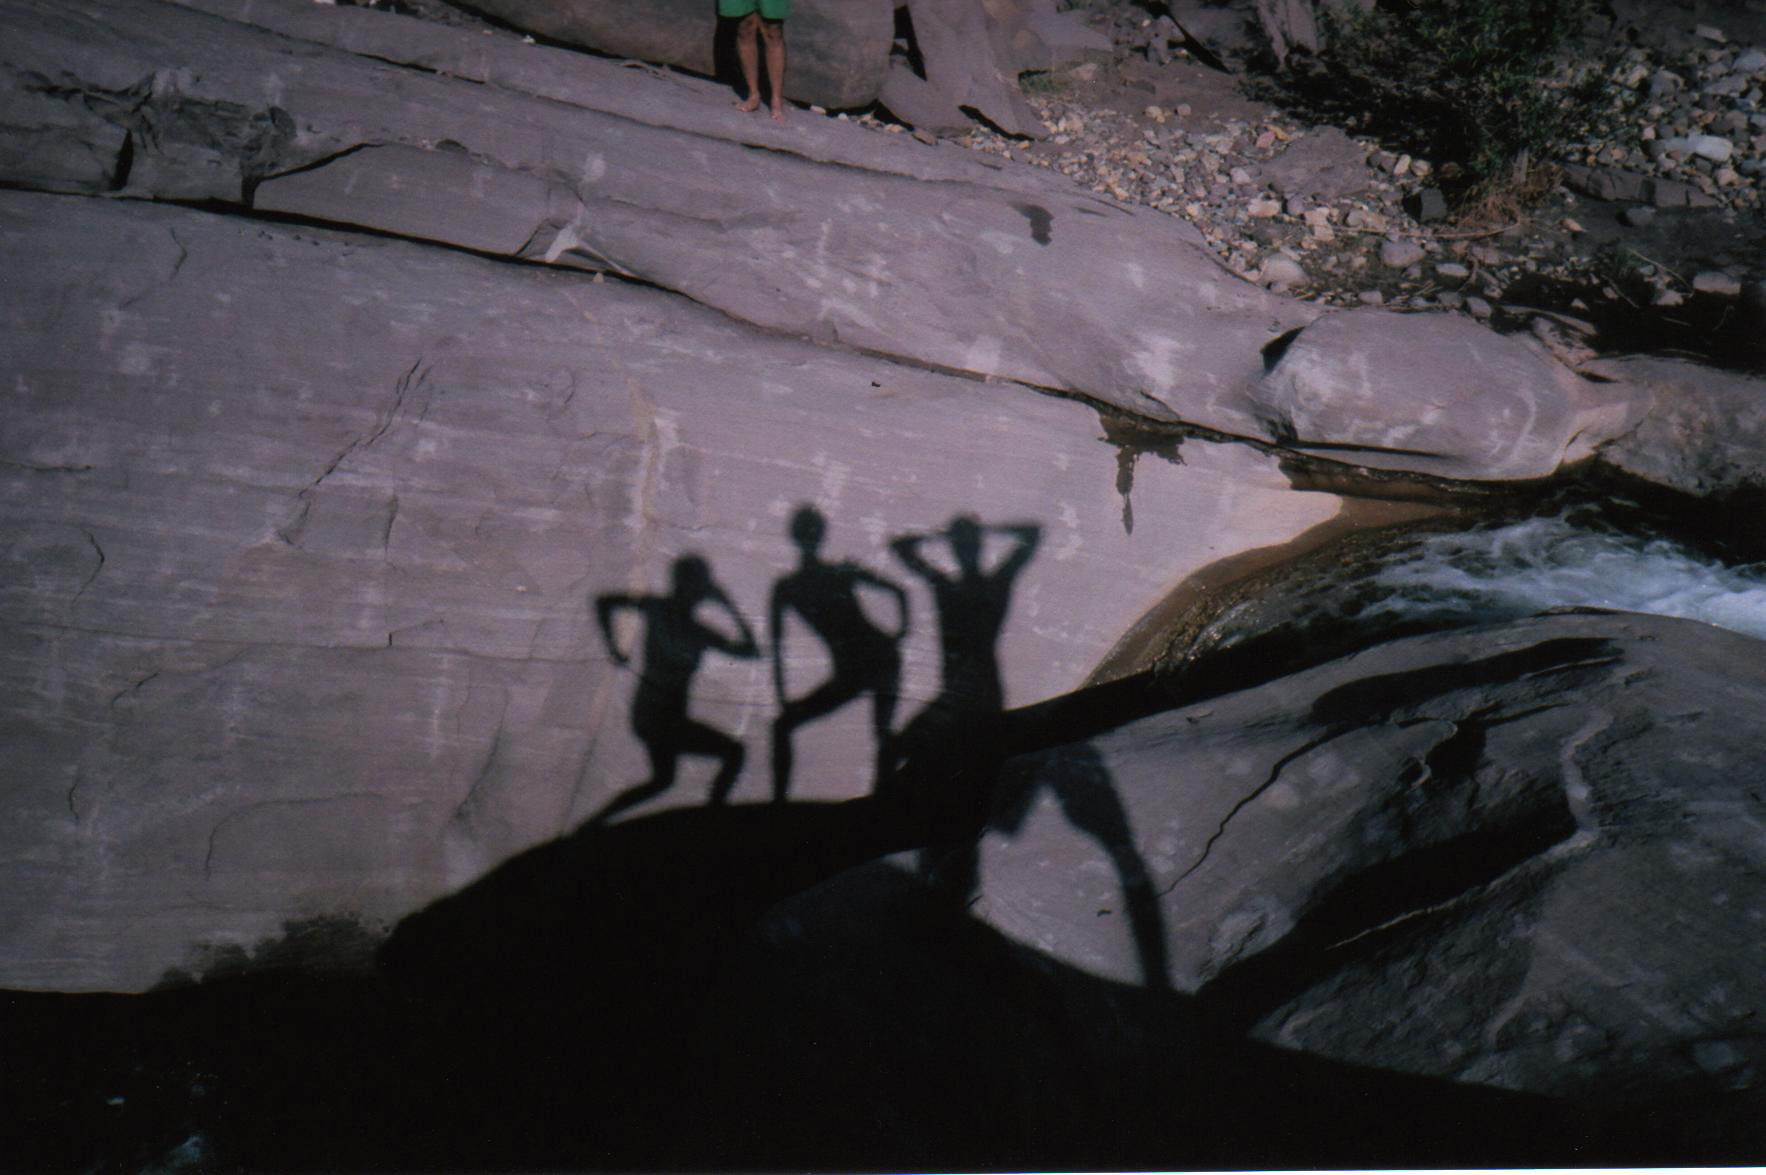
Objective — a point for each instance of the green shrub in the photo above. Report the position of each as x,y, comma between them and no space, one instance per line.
1471,83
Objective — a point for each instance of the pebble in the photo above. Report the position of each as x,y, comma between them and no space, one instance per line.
1281,272
1478,307
1715,281
1263,209
1371,298
1452,270
1400,254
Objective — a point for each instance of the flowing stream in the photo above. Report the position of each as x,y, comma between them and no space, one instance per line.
1427,579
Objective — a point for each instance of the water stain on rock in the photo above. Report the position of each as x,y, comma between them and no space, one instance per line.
1040,221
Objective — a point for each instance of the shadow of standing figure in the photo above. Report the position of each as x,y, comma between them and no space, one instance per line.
1087,795
675,641
865,657
956,738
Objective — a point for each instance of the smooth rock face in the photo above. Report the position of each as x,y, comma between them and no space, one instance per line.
1524,856
306,533
1023,279
837,48
1437,394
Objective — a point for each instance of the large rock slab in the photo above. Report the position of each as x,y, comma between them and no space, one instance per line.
981,278
1524,856
1437,394
305,534
837,48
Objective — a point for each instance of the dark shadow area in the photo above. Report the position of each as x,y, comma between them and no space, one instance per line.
635,996
865,658
675,641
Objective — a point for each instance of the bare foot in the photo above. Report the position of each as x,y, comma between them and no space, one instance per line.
778,114
749,104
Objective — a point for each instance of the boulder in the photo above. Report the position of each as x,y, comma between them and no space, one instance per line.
308,533
1517,856
970,59
837,49
1705,434
1323,163
1436,393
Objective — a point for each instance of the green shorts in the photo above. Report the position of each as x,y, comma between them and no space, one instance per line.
769,9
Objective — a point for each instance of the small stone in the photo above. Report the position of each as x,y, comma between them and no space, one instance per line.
1371,298
1452,270
1183,109
1281,272
1264,208
1711,33
1427,206
925,136
1157,114
1715,281
1752,61
1572,225
1421,168
1451,299
1478,308
1637,216
1402,167
1400,254
1240,176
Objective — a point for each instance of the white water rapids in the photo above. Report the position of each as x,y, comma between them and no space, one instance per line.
1526,567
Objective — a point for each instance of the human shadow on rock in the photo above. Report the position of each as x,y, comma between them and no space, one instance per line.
675,641
960,738
865,658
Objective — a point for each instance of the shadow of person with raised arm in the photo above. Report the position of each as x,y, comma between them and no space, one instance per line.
956,737
675,641
865,657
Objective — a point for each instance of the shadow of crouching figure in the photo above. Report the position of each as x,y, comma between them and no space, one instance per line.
675,641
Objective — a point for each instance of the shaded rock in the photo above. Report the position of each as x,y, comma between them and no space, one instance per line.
1436,393
1323,163
1705,434
1226,31
838,49
1607,183
307,530
969,59
1289,25
917,102
1454,855
1427,206
1068,39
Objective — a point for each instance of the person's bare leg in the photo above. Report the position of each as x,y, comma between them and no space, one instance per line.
748,53
774,33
